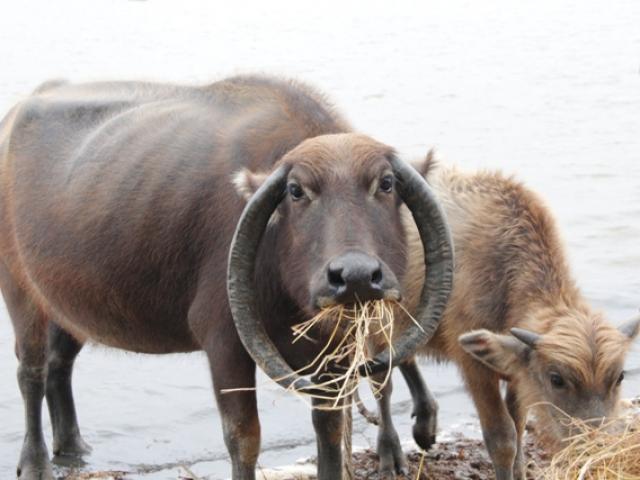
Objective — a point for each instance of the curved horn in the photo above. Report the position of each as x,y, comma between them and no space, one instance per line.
438,249
438,259
526,336
241,284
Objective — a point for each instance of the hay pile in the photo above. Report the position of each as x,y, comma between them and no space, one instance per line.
611,451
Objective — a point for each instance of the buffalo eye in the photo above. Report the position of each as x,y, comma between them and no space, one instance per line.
556,380
295,191
620,378
386,183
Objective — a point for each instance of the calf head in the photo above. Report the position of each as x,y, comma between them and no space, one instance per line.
339,234
574,370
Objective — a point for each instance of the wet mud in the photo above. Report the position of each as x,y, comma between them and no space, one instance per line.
457,459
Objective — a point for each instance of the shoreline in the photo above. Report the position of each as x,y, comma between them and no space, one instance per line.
455,456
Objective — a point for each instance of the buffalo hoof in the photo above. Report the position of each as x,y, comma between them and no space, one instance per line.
424,434
31,472
73,446
425,427
35,465
392,460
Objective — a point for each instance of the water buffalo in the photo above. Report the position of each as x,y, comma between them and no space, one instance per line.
515,314
118,205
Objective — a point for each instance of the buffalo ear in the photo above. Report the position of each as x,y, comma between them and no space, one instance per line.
502,353
630,328
425,165
247,182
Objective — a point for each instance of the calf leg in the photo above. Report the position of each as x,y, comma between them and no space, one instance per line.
498,428
519,415
30,325
425,408
392,459
62,351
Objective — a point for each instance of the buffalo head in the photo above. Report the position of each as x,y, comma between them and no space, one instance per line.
334,203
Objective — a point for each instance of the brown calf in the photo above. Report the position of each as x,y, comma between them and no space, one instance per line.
514,314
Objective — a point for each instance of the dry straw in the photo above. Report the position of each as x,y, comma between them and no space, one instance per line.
609,451
354,334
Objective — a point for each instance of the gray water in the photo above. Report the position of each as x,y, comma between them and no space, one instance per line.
548,90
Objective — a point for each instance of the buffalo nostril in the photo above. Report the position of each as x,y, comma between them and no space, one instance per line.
335,277
376,276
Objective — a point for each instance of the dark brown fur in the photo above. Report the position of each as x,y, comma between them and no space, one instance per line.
117,209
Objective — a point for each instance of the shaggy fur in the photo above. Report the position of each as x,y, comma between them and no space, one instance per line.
511,271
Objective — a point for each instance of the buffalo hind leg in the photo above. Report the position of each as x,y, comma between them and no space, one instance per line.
30,325
425,407
390,453
62,351
519,415
498,428
425,411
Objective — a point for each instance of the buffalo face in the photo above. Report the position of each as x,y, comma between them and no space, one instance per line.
340,236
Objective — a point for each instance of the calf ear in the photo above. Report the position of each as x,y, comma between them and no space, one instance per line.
630,328
502,353
247,182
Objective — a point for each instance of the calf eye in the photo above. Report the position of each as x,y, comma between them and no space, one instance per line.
620,378
386,183
556,380
295,191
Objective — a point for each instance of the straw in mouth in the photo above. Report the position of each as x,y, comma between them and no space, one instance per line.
354,334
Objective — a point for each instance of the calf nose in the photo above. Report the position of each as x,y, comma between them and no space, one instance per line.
355,276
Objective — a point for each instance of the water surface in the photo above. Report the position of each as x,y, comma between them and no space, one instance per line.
549,91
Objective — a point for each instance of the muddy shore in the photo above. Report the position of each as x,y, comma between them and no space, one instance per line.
460,458
456,459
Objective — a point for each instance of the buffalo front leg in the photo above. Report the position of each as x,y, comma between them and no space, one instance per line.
30,325
62,351
234,369
390,453
328,425
425,407
519,415
498,428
